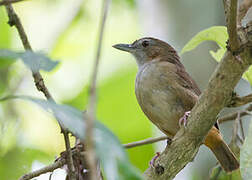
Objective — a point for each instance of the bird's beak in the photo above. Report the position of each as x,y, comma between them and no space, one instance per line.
124,47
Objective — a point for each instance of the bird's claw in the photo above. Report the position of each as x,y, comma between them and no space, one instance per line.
183,120
154,159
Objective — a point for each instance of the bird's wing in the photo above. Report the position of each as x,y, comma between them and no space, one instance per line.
180,82
186,81
173,65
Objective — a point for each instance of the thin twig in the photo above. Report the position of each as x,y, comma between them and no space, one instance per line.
240,139
243,9
15,21
145,141
60,162
240,101
235,129
236,137
91,113
69,158
50,177
46,169
232,116
231,19
242,129
249,113
39,82
6,2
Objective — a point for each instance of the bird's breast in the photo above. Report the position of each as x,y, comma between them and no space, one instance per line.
157,98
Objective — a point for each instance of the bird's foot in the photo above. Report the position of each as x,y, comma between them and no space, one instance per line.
168,142
183,120
154,159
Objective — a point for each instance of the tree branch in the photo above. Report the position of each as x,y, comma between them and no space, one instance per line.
91,112
243,9
6,2
62,160
39,82
217,95
146,141
231,20
240,101
50,168
232,116
235,129
241,127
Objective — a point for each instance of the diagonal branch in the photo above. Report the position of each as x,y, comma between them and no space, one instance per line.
232,116
242,129
231,20
39,82
50,168
91,113
240,101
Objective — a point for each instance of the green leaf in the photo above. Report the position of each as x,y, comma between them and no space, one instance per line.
108,149
217,34
35,61
248,75
218,55
246,156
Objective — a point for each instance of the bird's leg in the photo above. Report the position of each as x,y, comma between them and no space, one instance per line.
183,120
169,141
154,159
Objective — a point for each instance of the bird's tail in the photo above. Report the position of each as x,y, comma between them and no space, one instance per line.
221,151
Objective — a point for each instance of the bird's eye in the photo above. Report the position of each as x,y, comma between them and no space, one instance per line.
145,43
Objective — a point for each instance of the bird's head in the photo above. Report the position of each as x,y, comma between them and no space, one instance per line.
148,49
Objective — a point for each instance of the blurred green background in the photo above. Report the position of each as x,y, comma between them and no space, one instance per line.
68,32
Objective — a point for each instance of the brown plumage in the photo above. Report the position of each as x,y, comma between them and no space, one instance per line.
165,91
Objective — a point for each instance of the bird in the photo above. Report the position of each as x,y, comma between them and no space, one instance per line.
166,93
